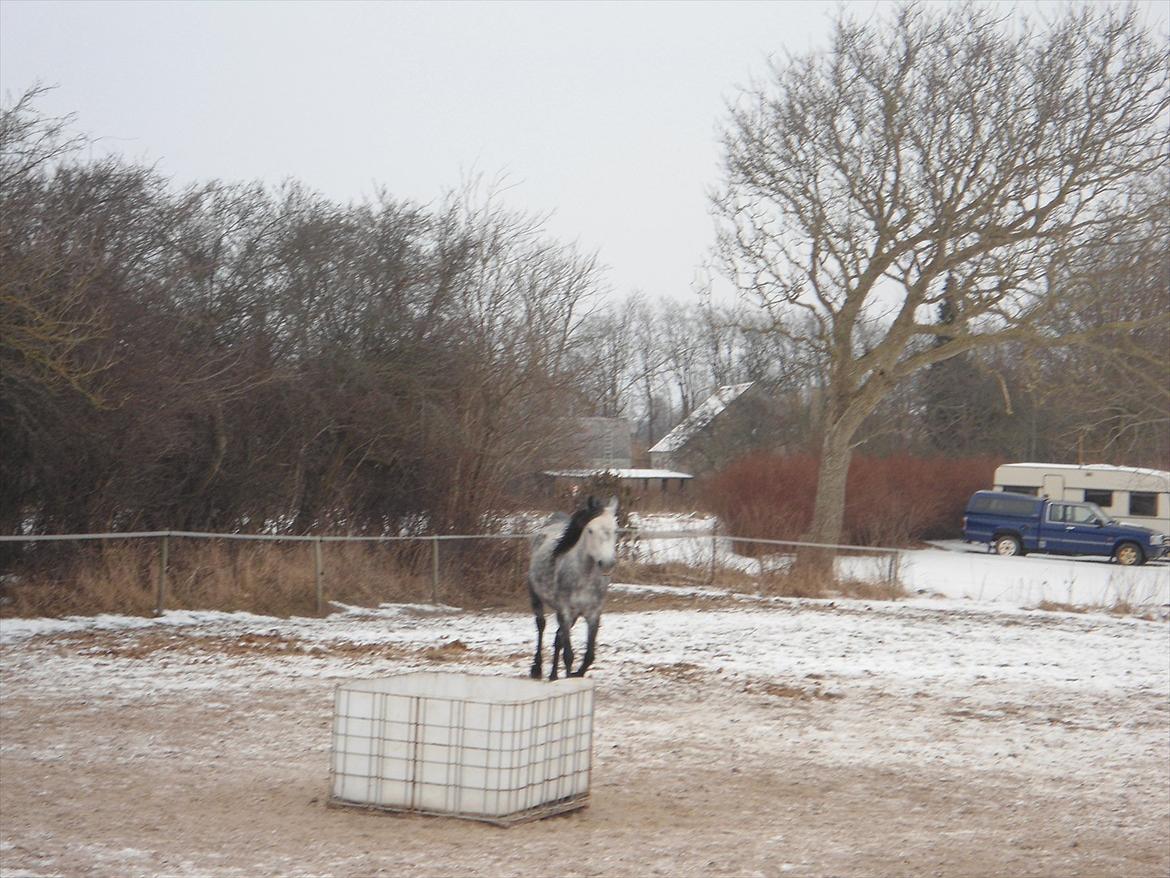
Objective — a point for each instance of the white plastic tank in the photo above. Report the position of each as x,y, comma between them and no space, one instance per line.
464,745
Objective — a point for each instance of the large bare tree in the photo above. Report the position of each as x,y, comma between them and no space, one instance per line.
924,147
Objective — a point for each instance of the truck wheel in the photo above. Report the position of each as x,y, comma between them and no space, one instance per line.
1008,545
1129,555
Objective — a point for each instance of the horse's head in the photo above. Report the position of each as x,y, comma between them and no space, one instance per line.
600,536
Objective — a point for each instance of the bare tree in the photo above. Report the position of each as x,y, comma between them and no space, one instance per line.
235,356
926,145
652,402
1110,397
45,320
609,351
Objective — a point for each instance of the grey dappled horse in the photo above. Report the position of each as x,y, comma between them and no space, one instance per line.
571,560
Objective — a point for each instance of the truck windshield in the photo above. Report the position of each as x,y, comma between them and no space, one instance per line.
1101,514
1078,513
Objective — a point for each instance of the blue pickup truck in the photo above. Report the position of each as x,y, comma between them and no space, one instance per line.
1015,524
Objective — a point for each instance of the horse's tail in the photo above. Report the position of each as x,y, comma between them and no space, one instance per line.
550,530
553,526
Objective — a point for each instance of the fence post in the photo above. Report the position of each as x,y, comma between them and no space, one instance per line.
892,571
435,569
319,575
161,596
714,536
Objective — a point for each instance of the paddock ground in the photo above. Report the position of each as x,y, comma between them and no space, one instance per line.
781,738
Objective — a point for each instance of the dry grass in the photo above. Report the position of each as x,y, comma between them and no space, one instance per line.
137,645
673,573
61,580
871,591
785,690
1117,608
814,574
278,579
810,583
797,582
264,578
814,580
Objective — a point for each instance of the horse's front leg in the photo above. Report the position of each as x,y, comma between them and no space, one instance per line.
538,611
593,623
556,659
566,644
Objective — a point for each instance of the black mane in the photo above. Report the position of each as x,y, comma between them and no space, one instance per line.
576,526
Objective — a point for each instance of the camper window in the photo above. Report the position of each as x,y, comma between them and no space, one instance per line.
1143,503
1022,489
1101,498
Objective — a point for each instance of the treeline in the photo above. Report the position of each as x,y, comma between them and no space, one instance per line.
1105,402
1089,382
236,357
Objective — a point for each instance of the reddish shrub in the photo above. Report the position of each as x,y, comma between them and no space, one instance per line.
898,499
767,496
889,501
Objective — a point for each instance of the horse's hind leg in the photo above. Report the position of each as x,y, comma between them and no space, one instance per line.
589,645
538,611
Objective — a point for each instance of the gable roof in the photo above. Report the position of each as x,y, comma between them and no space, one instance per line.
711,408
620,472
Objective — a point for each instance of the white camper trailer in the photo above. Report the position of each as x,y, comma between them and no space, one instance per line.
1130,494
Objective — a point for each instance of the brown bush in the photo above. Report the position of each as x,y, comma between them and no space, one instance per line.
896,500
891,501
762,495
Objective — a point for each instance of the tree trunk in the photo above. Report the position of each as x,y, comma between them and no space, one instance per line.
829,510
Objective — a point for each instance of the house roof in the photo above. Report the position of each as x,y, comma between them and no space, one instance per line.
621,473
711,408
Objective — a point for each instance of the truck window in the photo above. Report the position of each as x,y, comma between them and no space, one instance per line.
1057,512
996,503
1103,499
1143,503
1079,515
1012,506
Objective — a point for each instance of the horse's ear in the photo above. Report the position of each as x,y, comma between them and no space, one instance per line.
592,504
613,503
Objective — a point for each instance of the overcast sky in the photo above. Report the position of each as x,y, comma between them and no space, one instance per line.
604,115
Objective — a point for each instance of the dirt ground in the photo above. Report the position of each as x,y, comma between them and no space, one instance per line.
182,753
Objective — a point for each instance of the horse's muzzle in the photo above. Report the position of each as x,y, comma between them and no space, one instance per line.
605,566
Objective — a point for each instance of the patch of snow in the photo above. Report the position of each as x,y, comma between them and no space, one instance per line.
1034,579
952,569
906,644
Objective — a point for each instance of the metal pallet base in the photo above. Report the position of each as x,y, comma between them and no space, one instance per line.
549,809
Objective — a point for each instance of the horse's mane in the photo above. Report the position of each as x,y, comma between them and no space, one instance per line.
576,526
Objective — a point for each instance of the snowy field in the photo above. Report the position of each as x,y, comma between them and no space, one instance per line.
736,735
953,569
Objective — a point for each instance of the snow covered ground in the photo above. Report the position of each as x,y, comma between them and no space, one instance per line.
769,638
736,735
959,731
952,569
970,572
